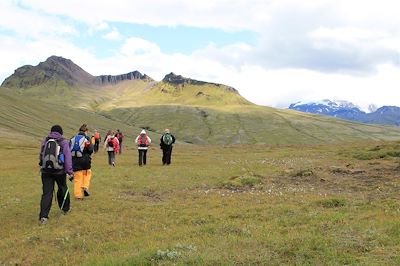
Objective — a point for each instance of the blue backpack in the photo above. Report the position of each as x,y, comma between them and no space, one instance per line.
77,144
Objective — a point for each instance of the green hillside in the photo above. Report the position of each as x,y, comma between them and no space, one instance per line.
25,120
252,124
196,111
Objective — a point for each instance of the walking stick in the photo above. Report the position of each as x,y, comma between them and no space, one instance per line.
65,197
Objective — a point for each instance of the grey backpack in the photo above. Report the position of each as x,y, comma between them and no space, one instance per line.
52,156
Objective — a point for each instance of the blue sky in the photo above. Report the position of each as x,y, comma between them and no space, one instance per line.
170,39
275,52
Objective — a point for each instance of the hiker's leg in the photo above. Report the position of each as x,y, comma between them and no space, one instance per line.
109,157
78,184
86,178
141,154
47,195
144,157
96,145
120,147
169,153
61,181
164,156
112,157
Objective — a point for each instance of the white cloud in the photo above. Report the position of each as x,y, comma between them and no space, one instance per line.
306,50
25,22
137,46
97,27
113,35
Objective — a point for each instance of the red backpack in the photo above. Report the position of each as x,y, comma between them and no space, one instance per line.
143,141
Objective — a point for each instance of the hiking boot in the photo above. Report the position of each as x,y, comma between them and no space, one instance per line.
113,164
86,192
43,221
65,212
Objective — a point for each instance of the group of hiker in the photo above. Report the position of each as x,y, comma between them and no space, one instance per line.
60,157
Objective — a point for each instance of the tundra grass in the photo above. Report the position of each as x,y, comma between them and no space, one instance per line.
214,205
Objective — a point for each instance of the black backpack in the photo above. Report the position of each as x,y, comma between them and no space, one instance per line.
110,143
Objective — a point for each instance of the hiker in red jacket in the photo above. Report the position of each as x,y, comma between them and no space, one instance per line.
120,138
111,145
142,141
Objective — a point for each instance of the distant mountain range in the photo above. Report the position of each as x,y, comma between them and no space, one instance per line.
385,115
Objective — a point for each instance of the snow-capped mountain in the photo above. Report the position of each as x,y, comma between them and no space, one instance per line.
324,107
389,115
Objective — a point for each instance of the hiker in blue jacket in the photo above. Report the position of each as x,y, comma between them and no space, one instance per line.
55,163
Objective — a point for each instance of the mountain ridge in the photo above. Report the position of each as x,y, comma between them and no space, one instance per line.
197,112
60,68
57,67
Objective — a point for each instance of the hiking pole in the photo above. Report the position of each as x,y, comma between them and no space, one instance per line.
65,197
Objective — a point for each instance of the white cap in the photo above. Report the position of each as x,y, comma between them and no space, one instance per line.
143,132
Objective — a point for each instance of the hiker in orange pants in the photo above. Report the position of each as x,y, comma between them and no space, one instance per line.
82,183
81,150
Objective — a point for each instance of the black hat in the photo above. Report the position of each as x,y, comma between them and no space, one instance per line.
56,128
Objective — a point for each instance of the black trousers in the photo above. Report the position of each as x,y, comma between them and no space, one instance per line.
120,147
111,157
166,157
47,196
96,145
142,157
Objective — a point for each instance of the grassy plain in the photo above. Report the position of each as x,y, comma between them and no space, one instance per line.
215,205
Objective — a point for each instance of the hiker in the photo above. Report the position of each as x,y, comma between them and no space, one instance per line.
111,145
166,142
81,150
142,141
97,140
55,163
120,137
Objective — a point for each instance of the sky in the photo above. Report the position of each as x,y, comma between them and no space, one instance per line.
274,52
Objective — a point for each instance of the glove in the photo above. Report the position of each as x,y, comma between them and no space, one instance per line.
71,177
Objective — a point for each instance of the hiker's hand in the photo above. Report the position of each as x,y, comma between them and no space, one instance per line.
71,177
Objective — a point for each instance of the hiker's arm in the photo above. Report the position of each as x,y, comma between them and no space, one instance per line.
67,159
90,148
40,154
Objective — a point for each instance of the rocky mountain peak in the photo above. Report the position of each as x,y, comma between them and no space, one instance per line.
112,80
57,68
174,79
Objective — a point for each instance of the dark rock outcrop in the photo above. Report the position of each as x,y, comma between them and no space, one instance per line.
112,80
176,80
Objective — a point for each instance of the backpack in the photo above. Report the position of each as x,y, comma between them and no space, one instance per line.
110,142
143,141
119,137
52,156
167,139
77,144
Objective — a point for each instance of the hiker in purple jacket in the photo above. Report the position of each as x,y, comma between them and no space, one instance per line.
55,162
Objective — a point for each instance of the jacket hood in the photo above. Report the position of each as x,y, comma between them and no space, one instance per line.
143,132
55,135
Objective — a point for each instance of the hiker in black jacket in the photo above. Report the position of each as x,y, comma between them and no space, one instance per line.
81,150
166,142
